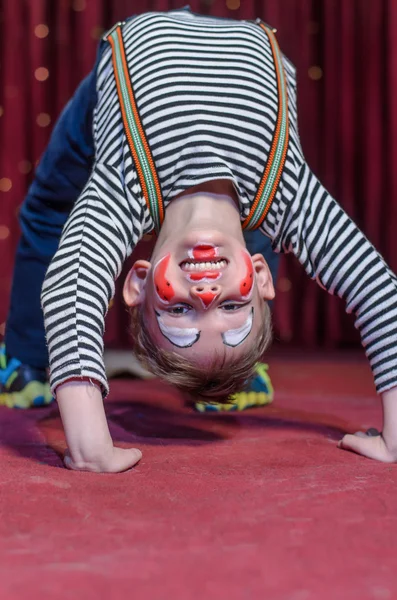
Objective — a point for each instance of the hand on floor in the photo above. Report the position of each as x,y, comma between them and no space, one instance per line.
116,461
369,445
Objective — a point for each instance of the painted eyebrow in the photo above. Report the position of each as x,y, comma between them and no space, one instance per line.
235,337
191,335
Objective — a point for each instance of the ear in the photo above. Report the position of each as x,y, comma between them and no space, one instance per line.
264,278
135,283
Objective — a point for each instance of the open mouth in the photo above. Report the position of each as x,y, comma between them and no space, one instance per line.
192,265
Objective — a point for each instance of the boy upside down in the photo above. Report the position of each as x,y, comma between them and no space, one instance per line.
195,132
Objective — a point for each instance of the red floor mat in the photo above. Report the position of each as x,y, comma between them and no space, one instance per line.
253,505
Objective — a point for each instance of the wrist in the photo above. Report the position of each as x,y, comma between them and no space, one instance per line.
84,421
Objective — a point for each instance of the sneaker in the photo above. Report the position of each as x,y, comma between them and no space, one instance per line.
260,393
22,386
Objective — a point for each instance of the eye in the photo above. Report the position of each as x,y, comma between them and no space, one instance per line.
231,306
179,309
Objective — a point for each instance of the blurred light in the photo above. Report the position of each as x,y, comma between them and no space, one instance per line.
41,73
2,328
315,73
97,32
284,284
233,4
147,237
43,120
24,167
111,304
4,232
5,184
41,31
313,28
1,111
10,91
78,5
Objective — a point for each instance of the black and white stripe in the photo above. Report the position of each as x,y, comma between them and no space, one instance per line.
205,89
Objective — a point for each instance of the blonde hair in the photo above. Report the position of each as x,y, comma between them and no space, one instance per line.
220,379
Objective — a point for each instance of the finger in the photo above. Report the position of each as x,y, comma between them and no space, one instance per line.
124,459
67,460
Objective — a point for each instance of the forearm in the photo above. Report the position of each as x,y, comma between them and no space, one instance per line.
84,421
389,401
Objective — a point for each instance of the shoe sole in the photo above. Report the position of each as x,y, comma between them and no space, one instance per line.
33,395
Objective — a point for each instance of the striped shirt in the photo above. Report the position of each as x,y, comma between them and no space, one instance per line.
206,93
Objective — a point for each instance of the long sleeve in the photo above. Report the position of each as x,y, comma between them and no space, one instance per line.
339,257
305,220
100,234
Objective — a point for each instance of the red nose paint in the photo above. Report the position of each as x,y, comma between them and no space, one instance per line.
204,252
204,275
248,281
163,286
207,298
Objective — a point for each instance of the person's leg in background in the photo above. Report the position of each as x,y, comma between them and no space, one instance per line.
260,390
60,179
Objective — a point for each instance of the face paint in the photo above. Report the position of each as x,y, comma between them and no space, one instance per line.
247,284
164,290
203,252
204,276
235,337
178,336
207,298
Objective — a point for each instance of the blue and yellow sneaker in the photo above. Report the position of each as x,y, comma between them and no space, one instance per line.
22,386
260,393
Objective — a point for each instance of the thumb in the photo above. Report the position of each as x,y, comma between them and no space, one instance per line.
125,458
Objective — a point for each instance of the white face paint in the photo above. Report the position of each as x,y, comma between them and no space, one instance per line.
178,336
235,337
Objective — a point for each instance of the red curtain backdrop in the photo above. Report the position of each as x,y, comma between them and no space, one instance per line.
346,55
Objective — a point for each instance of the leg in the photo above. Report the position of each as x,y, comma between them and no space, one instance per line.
41,231
60,178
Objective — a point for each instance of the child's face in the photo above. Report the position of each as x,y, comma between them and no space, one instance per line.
203,297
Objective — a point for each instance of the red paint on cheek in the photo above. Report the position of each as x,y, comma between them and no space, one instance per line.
248,281
163,286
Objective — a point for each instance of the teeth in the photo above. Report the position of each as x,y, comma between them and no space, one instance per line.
203,266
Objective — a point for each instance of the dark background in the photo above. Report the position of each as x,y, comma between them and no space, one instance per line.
346,55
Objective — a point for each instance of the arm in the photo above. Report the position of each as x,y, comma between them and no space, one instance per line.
99,235
306,220
338,256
